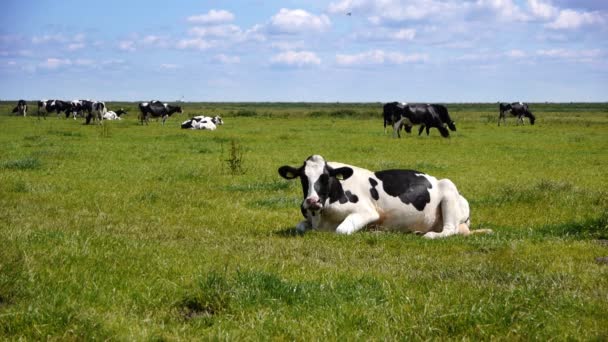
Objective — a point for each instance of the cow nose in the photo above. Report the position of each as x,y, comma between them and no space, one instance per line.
311,201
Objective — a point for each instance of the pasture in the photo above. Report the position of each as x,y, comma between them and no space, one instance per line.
130,232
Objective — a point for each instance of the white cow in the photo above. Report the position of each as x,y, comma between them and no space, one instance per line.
114,115
345,198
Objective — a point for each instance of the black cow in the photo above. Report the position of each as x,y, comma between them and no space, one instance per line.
426,115
21,108
518,109
157,109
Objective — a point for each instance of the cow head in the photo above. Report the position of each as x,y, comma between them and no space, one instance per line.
318,180
531,117
217,120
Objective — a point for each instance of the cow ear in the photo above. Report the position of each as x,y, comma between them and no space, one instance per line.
342,173
289,172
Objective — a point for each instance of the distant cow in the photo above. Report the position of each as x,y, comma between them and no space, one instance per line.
426,115
157,109
98,109
111,115
203,122
344,199
79,108
49,106
518,109
21,108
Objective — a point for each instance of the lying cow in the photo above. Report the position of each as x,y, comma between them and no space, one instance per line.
344,198
114,115
203,122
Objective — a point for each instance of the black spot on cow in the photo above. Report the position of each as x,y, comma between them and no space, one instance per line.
349,197
407,185
373,190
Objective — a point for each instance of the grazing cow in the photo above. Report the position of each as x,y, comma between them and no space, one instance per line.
344,198
157,109
78,108
49,106
111,115
21,108
518,109
97,110
426,115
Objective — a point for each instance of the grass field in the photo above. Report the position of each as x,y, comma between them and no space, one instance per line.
128,232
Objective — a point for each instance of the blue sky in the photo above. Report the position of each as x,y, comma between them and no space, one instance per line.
385,50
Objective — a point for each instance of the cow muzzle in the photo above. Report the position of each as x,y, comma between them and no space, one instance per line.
313,203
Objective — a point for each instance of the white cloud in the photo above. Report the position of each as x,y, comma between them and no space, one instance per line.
288,44
296,58
581,55
55,63
127,45
516,54
225,59
169,66
570,19
378,57
378,12
49,38
219,31
75,46
212,17
541,9
298,21
505,10
196,43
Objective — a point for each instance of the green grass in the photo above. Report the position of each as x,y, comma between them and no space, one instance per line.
127,232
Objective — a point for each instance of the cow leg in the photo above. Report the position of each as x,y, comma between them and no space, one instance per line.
354,222
451,211
421,129
397,128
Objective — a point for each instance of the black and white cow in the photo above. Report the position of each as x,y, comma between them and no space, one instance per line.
203,122
426,115
345,198
79,108
157,109
518,109
21,108
97,110
114,115
49,106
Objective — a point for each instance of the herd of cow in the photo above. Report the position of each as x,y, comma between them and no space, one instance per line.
397,114
406,115
97,111
339,197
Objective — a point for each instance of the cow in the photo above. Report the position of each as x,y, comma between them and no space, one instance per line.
518,109
111,115
49,106
97,110
203,122
78,108
21,108
344,199
157,109
426,115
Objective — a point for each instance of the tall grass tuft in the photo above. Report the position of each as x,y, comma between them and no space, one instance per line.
234,160
27,163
